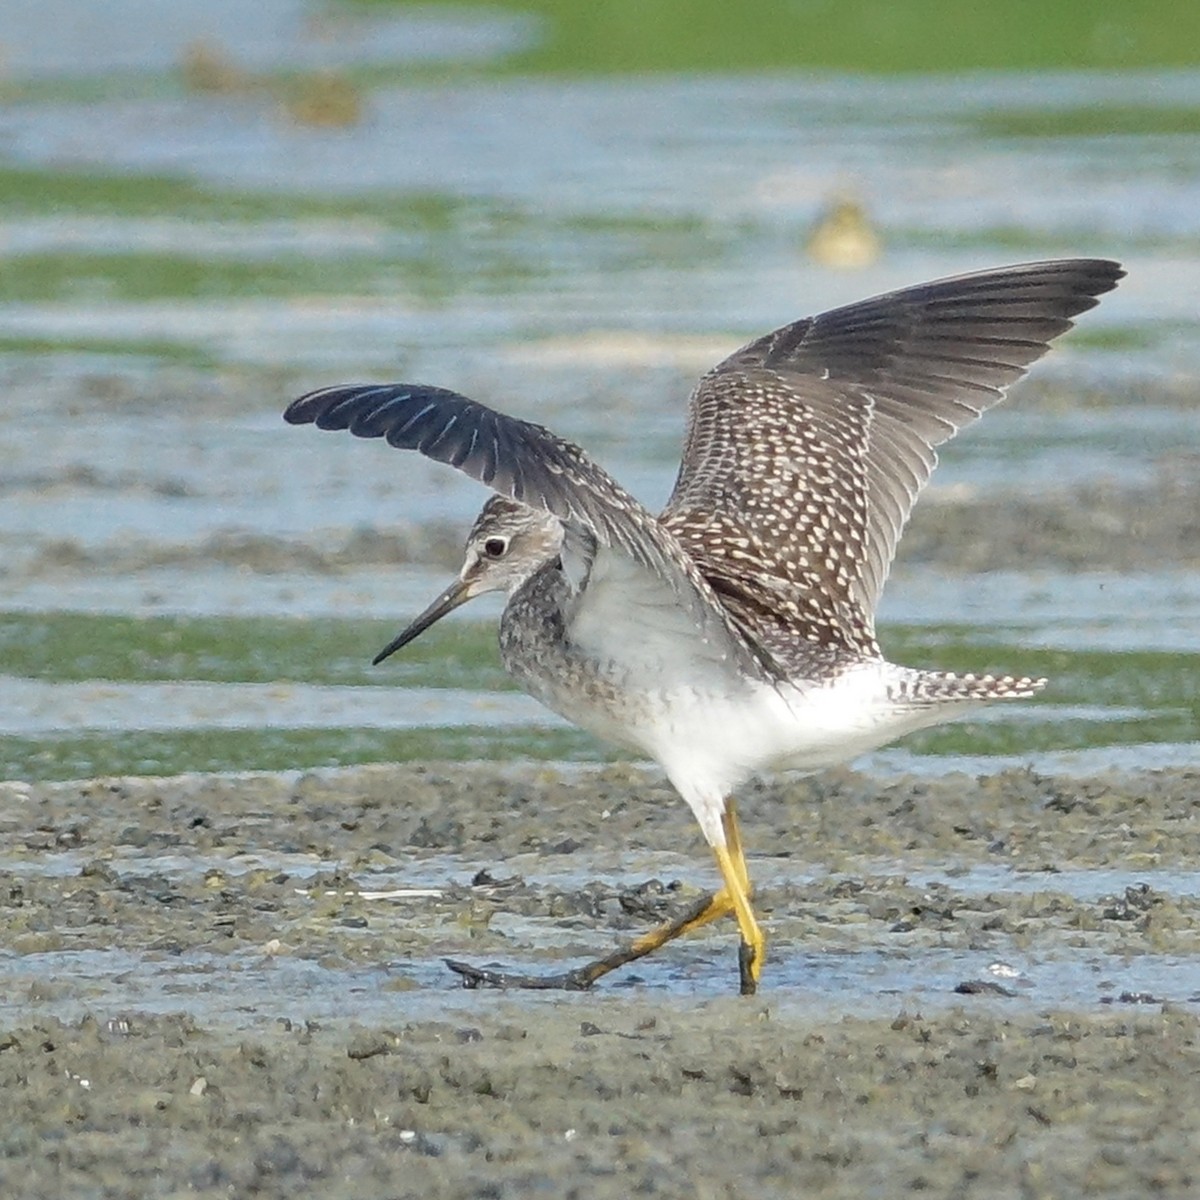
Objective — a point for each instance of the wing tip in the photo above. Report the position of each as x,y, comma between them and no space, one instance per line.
303,410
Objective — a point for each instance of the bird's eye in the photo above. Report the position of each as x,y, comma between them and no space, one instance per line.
495,547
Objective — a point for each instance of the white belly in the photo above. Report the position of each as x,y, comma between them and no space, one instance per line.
660,688
725,737
784,728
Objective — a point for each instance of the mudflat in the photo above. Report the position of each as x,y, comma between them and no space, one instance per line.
220,985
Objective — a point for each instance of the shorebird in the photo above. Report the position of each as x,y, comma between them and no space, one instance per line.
735,632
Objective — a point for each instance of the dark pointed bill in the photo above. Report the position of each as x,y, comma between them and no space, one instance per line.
456,594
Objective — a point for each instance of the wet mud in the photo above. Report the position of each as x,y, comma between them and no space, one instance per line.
1126,519
1100,527
232,985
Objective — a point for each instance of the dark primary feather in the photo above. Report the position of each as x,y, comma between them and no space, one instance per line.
513,457
807,448
535,467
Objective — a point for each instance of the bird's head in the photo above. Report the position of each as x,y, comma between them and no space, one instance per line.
507,544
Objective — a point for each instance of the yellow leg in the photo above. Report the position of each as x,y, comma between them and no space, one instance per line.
734,897
731,859
753,942
733,839
719,905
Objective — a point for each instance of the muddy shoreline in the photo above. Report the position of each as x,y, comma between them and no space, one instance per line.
219,985
1094,527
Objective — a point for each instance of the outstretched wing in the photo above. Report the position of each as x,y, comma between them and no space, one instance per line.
533,466
806,449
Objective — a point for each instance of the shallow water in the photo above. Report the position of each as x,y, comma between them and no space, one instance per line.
66,38
243,991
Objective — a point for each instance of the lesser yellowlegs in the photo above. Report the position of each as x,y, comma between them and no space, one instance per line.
735,632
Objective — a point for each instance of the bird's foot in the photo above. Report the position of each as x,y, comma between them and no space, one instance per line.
578,980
